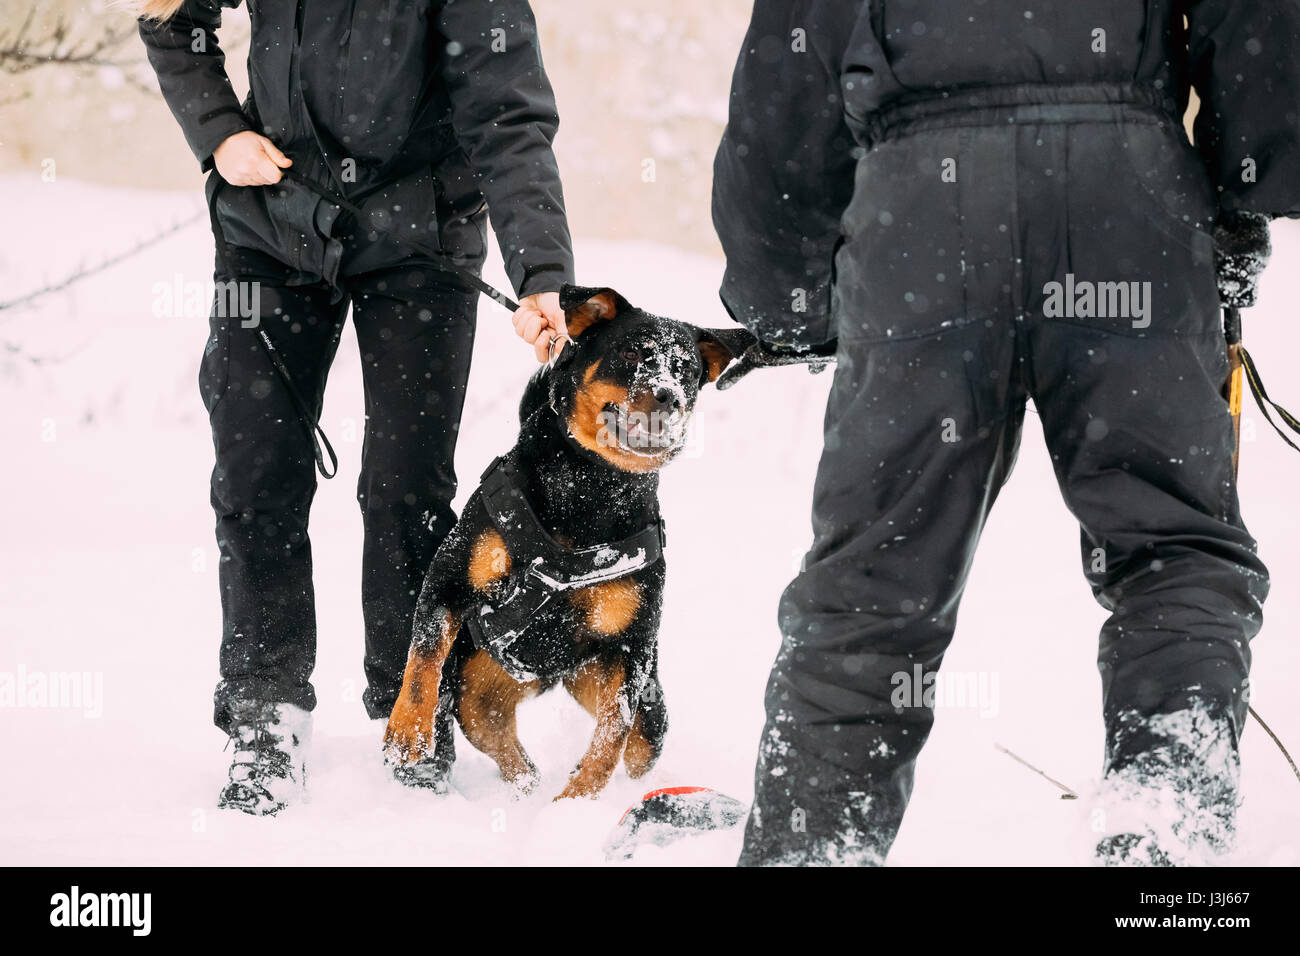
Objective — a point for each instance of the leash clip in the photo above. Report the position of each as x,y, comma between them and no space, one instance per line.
552,353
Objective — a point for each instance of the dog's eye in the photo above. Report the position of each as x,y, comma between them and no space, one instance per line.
631,355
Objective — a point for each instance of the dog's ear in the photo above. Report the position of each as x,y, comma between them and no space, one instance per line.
584,306
719,348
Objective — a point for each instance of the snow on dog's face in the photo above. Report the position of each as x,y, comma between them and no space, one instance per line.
626,385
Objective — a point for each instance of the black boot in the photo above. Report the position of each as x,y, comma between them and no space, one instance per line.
268,771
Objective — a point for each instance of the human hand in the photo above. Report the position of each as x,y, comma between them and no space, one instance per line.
249,159
539,320
1241,251
766,355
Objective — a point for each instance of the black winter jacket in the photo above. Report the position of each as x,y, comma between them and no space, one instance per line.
420,108
818,79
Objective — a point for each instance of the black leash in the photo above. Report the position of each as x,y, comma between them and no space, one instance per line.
1264,402
1242,365
309,421
321,447
1232,331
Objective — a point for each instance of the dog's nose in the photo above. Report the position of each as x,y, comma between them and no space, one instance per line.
667,397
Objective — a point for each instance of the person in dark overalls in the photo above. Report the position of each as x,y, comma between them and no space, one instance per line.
423,115
971,205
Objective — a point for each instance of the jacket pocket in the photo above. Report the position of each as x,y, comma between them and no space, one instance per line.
276,220
461,209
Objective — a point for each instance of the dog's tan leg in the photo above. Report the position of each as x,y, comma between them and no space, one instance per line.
598,688
410,732
488,698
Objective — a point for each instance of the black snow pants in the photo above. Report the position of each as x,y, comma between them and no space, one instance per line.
1053,253
415,328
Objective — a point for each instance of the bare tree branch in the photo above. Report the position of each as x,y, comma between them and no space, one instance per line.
86,272
56,44
17,351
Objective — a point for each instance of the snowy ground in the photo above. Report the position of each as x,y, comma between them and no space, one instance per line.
108,566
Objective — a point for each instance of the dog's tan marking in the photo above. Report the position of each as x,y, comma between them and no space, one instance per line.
486,707
600,306
409,735
489,561
596,687
716,356
611,606
588,425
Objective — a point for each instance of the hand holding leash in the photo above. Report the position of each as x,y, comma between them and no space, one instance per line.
539,321
767,355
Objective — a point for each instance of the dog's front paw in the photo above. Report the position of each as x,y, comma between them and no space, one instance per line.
580,787
524,783
409,736
431,774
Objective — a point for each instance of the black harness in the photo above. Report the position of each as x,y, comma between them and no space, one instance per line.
542,568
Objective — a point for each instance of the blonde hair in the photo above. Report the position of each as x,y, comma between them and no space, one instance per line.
160,10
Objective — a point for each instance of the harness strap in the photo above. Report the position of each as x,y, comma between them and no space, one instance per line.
558,567
499,626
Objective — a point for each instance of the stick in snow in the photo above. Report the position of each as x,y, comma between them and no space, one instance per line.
1269,730
1067,793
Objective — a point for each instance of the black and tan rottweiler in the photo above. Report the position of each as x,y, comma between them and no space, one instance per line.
554,573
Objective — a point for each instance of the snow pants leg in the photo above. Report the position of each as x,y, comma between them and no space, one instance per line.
415,333
949,320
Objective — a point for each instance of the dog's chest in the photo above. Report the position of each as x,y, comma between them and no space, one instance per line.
534,634
547,597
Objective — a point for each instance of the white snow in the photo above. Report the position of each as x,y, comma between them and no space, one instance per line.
108,567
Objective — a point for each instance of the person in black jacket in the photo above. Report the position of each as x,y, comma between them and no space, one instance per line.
970,206
423,115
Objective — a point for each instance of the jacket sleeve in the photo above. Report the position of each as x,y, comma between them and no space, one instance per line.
1246,70
784,170
192,75
504,115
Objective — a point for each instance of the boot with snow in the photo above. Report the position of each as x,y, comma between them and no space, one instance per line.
1131,849
268,771
1175,802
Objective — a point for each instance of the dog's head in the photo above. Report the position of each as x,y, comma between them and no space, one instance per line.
625,387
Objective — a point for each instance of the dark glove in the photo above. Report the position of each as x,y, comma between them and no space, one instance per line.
767,355
1241,251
